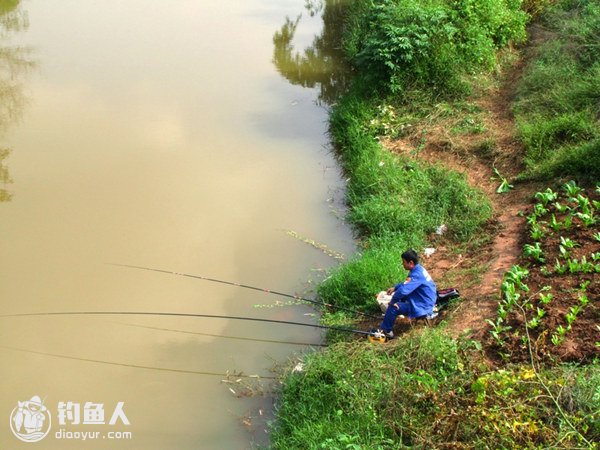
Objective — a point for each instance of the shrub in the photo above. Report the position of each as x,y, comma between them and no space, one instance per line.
431,43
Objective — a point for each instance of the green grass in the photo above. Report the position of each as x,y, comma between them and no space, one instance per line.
558,100
431,391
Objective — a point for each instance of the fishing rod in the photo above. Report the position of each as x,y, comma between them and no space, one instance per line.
254,288
135,366
195,333
174,314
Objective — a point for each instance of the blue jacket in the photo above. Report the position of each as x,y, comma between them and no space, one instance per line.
418,290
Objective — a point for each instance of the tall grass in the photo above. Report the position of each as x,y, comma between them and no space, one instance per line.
558,99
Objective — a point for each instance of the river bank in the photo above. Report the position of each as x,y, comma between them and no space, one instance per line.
447,386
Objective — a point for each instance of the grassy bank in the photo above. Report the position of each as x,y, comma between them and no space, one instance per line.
396,203
427,389
558,101
430,391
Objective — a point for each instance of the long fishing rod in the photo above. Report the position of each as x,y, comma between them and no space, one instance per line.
173,314
245,286
245,339
134,366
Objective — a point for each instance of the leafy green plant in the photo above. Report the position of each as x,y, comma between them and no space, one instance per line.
563,251
571,316
514,281
504,186
584,285
561,208
537,232
568,243
554,224
587,219
512,287
545,298
546,196
558,338
540,210
571,189
559,268
534,251
584,204
535,321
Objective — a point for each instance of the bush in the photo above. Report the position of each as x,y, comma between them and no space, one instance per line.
431,44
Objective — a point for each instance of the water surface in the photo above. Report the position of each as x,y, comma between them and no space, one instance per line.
157,134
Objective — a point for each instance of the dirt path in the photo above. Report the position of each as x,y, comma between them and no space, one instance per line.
478,272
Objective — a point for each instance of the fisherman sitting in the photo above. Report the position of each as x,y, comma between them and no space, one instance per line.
413,298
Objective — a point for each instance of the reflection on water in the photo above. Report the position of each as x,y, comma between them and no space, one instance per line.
4,176
321,64
14,62
157,136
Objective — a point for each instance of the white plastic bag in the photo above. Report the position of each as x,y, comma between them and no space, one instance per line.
383,299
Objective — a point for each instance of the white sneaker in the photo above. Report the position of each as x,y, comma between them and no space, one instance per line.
387,334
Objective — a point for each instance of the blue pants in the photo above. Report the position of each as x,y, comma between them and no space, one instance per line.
391,313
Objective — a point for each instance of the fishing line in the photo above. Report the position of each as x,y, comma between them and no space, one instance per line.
135,366
269,341
246,286
173,314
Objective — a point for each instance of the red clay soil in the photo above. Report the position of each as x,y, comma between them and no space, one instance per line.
582,336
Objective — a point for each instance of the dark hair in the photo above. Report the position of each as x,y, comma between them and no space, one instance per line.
410,255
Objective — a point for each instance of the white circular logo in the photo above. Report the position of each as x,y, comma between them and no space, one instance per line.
30,421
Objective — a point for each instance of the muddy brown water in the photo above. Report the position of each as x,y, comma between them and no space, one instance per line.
156,134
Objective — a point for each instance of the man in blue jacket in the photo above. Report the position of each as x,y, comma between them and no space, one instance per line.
415,297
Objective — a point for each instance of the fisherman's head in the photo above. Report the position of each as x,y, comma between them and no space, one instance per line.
410,259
